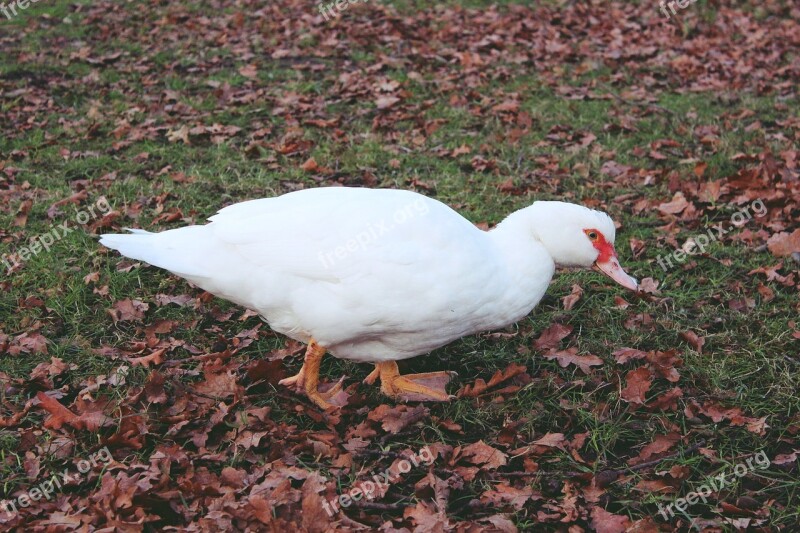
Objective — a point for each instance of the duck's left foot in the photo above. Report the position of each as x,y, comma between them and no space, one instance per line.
297,381
375,374
307,380
332,398
427,387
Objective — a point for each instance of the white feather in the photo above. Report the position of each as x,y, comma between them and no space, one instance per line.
371,274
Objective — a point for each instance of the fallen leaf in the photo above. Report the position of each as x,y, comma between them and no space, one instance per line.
480,387
694,340
502,495
385,102
552,336
667,401
665,363
552,440
21,219
623,355
155,358
310,165
249,71
572,298
675,206
584,362
47,371
660,444
128,310
218,386
28,343
396,419
605,522
638,382
784,244
483,455
60,415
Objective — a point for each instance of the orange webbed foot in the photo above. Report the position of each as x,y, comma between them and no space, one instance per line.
426,387
307,380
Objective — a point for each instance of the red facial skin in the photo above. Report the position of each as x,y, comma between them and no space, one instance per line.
605,248
607,261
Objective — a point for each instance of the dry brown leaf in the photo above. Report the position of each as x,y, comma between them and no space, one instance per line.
569,356
675,206
155,358
128,310
605,522
427,518
60,415
28,343
218,386
249,71
479,387
396,419
385,102
47,371
784,244
315,518
552,440
667,401
21,219
552,336
717,413
310,165
694,340
572,298
665,363
503,496
660,444
483,455
638,382
623,355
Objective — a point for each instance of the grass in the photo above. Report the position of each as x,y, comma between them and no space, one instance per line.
747,359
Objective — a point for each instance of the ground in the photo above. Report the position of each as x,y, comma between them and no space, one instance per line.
156,406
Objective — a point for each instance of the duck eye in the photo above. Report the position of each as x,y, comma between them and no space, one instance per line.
592,235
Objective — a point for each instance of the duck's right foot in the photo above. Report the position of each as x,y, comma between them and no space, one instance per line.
426,387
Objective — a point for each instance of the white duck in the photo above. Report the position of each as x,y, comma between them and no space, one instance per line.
378,275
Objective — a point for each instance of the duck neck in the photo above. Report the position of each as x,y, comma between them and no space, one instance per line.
516,235
527,263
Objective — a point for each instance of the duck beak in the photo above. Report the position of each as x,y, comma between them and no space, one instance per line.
613,270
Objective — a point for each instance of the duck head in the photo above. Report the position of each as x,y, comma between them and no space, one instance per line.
574,236
578,236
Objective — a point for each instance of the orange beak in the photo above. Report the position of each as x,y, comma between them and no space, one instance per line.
611,268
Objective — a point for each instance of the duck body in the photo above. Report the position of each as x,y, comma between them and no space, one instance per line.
378,275
370,274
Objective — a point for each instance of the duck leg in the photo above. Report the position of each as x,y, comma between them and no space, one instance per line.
415,387
308,378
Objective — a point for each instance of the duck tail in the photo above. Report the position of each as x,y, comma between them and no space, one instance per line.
181,251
